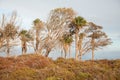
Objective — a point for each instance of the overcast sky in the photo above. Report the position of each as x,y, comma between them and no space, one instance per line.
102,12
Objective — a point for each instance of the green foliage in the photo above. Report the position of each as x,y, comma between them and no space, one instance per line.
23,73
80,21
23,32
83,76
52,78
67,39
25,35
36,21
20,74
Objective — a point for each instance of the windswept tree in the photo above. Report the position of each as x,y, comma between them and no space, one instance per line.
25,37
8,32
76,25
60,18
49,42
80,44
99,38
2,37
58,21
38,26
65,44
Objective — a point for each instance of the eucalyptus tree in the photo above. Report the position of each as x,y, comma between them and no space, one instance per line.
38,26
25,37
77,24
80,44
2,38
50,42
60,18
58,21
99,39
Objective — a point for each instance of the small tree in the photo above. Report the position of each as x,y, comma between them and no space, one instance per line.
38,25
8,30
25,36
65,43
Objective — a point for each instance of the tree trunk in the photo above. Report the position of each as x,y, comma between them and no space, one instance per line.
24,47
69,52
65,56
66,50
62,52
37,41
93,48
8,48
76,46
80,49
47,52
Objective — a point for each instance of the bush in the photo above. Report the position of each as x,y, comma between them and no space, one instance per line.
20,74
83,76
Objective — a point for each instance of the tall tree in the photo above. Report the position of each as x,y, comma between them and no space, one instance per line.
76,25
49,42
2,37
25,36
99,38
38,25
58,21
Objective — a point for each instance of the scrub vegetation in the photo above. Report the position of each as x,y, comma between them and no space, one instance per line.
37,67
63,29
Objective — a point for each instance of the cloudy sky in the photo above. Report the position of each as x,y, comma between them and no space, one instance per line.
102,12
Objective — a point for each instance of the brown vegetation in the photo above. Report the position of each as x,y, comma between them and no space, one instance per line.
37,67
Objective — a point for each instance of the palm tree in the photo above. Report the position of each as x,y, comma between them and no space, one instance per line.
66,42
38,25
25,37
77,24
10,32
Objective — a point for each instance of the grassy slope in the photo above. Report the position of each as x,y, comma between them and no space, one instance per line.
35,67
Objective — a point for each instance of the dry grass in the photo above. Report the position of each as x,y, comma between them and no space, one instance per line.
36,67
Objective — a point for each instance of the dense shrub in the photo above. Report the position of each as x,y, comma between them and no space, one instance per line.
36,67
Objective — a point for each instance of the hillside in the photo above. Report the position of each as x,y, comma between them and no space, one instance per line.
36,67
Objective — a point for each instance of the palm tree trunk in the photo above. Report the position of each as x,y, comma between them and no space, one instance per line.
65,51
93,48
76,46
24,47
